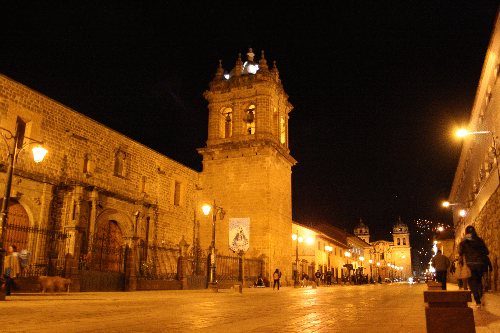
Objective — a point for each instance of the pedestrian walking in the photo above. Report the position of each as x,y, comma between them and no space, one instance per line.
317,276
11,269
276,278
474,252
441,263
329,277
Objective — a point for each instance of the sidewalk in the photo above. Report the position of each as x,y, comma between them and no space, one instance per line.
364,308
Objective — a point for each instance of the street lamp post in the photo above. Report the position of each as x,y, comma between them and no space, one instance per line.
298,239
13,152
378,271
371,270
212,278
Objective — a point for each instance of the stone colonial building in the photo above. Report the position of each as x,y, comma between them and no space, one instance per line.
103,207
475,189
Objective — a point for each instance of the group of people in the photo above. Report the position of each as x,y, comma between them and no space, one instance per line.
261,284
471,265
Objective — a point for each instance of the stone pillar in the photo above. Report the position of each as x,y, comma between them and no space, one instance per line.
241,269
447,311
94,198
130,276
72,272
182,263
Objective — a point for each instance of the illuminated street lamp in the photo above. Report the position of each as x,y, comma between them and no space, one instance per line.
463,132
298,240
13,152
212,278
462,212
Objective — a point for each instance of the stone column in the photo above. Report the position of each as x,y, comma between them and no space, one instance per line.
130,276
72,272
241,270
182,263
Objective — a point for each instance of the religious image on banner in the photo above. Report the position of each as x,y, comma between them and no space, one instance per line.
239,234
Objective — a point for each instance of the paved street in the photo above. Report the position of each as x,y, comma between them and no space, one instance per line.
367,308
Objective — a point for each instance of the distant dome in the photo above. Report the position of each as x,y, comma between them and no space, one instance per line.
361,229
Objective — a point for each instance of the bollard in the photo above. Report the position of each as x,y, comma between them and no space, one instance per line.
447,311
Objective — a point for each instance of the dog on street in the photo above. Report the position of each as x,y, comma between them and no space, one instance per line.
54,283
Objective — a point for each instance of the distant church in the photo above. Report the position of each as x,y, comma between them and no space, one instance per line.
384,254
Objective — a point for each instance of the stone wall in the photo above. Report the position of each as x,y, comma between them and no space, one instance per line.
93,173
487,225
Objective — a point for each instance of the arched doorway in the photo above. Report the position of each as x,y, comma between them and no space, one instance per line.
104,268
107,248
17,227
45,247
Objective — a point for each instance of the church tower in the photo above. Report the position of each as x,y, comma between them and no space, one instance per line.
247,166
401,250
362,231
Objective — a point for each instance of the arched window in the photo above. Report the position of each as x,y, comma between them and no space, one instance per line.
399,241
226,123
250,119
404,241
283,131
120,163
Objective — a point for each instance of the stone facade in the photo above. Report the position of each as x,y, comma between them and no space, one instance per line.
475,187
94,178
93,175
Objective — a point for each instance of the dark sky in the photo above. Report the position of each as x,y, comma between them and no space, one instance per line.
377,89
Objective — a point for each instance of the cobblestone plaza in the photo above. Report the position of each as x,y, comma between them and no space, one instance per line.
361,308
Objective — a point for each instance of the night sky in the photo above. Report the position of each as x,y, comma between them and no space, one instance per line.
377,90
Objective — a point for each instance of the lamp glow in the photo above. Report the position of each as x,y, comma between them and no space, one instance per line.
206,209
462,132
39,154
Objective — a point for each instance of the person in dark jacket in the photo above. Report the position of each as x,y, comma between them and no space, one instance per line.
475,251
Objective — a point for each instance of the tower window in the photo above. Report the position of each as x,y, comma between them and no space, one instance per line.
404,241
283,131
250,119
226,123
399,241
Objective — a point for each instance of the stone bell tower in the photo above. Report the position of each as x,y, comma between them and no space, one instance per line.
401,250
247,163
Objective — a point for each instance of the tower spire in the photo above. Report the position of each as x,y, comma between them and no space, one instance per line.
220,71
239,66
263,63
275,71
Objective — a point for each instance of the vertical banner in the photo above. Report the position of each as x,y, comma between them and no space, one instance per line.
239,234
